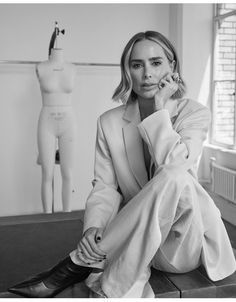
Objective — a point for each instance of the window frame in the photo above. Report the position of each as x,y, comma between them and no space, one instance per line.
216,19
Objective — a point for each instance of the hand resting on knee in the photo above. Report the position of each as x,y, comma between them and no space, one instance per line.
87,249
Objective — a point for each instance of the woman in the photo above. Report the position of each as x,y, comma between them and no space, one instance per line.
146,207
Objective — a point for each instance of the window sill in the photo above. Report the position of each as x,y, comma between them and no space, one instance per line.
225,157
219,148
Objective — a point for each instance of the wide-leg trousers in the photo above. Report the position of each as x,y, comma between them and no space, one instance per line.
163,226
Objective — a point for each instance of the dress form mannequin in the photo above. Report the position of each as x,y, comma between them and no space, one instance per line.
56,122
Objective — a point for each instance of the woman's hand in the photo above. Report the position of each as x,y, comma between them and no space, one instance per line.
87,249
167,87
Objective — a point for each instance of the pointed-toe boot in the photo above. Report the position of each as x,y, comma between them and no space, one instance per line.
50,283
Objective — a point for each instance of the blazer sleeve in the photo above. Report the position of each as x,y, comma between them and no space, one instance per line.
104,200
180,147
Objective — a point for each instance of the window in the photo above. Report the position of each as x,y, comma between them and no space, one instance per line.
224,71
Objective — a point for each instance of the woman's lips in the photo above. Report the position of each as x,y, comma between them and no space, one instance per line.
149,86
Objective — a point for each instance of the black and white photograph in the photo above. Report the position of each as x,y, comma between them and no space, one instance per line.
118,150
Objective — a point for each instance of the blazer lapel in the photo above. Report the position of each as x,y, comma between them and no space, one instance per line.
133,143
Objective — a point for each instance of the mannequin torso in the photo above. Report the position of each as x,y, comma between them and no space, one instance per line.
56,78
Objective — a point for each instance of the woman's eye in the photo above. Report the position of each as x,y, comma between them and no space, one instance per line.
156,63
136,65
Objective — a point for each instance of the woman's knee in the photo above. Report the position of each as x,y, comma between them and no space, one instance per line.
173,173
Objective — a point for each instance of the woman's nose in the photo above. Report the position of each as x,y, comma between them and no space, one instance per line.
147,73
147,76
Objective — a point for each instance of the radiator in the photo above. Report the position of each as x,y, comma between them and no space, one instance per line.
223,181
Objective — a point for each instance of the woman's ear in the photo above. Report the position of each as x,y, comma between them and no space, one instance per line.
172,65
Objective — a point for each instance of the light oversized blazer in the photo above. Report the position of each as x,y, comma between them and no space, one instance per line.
174,136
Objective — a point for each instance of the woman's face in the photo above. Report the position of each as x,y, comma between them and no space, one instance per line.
148,65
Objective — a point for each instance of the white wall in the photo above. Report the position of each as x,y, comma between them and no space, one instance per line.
94,33
176,29
197,54
197,50
191,32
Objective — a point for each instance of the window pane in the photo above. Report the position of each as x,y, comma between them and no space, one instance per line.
224,112
224,79
224,8
225,49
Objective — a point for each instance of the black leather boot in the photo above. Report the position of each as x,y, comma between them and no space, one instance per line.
50,283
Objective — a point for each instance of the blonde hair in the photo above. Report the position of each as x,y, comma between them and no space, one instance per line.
124,90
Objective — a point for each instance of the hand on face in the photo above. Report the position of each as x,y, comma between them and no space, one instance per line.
167,86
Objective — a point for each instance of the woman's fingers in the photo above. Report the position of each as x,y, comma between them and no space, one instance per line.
169,78
94,247
89,251
88,246
167,87
169,81
81,255
163,83
176,77
83,258
91,236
